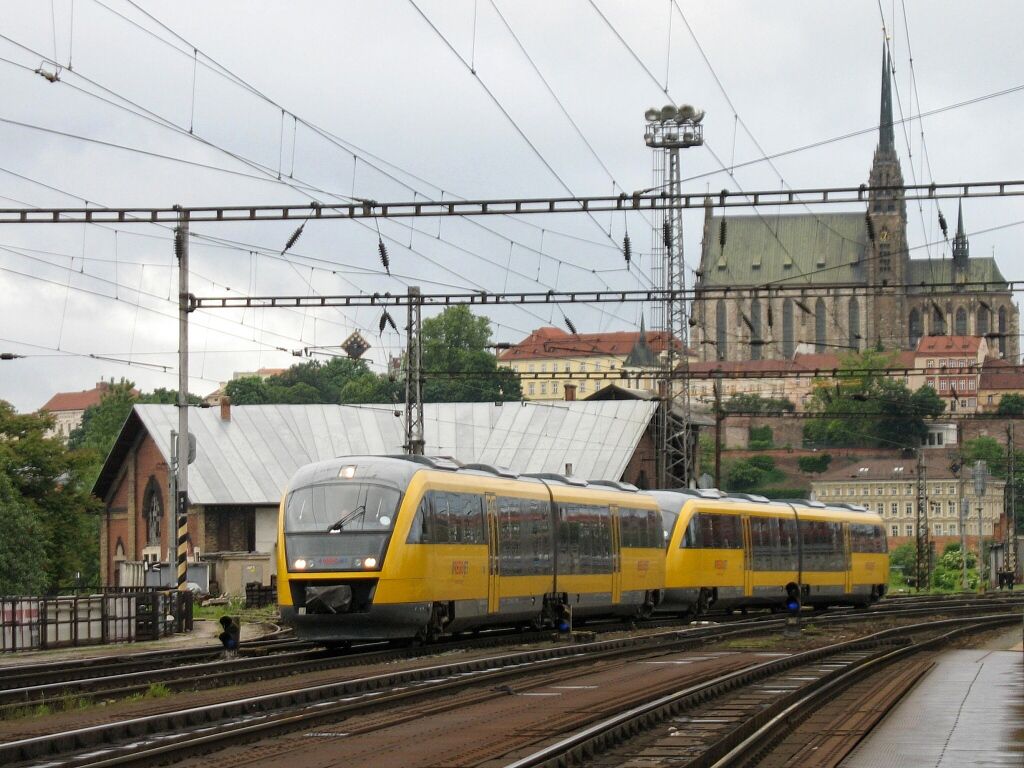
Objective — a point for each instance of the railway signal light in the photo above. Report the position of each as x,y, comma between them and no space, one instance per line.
793,610
793,599
231,635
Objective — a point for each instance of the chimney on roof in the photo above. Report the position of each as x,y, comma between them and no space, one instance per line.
225,408
570,392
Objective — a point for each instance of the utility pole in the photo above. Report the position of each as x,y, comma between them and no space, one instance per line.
980,475
719,418
1010,560
181,472
923,560
668,130
414,442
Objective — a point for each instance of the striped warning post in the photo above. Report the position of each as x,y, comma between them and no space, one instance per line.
182,540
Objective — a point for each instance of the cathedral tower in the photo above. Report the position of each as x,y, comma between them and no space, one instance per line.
887,255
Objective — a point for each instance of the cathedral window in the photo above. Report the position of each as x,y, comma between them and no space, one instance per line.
916,331
960,324
788,341
721,322
1002,331
819,325
984,321
884,258
756,340
854,329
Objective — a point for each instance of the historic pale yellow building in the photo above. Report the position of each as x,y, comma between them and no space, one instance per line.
888,486
549,359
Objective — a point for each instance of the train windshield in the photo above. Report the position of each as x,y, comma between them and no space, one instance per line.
338,508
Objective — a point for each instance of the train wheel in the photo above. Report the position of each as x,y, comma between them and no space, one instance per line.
703,602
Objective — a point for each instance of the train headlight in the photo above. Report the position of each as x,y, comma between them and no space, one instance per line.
347,472
299,564
370,562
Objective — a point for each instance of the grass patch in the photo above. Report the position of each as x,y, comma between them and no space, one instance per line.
747,643
157,691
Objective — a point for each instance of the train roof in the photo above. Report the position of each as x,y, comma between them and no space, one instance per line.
400,469
673,500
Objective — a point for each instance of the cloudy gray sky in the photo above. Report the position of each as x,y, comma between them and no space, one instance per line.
398,100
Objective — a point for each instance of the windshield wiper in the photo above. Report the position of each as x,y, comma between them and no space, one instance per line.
336,528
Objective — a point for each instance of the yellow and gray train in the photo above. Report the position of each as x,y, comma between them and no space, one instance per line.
394,547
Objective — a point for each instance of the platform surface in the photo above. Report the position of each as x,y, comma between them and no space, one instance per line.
967,711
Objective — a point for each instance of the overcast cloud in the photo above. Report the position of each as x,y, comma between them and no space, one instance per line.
389,91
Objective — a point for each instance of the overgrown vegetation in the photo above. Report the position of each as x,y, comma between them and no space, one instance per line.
48,525
454,341
862,407
815,464
759,438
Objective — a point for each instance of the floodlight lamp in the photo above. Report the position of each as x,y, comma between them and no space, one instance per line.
686,112
698,117
652,115
669,112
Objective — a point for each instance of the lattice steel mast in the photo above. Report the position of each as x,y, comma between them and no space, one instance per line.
668,130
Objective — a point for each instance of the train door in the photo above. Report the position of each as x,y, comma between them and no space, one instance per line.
493,555
748,559
616,555
847,561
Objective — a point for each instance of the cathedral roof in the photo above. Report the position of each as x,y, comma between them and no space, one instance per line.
812,249
980,269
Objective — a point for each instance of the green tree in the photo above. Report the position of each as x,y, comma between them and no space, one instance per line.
1011,405
21,542
743,476
861,406
903,561
457,364
744,402
44,486
248,390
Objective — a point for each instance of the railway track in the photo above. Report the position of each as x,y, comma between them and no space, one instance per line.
177,734
734,720
205,668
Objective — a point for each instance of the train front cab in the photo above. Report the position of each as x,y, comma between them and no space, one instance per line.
465,549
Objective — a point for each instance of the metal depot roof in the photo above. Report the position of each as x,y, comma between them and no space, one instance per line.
249,458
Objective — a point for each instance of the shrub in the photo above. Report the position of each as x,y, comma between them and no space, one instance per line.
759,438
817,463
764,463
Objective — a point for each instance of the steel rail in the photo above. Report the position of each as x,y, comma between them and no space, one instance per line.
583,745
761,733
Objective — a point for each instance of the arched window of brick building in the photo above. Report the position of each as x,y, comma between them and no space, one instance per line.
153,510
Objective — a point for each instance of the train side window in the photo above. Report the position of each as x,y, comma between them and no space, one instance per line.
691,538
440,528
419,533
788,553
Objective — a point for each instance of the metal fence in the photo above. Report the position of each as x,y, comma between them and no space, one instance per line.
35,623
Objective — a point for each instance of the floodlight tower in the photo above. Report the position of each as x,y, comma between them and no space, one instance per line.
668,130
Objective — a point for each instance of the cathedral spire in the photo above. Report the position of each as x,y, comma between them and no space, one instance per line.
961,247
886,140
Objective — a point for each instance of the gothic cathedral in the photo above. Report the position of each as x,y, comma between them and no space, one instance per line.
830,251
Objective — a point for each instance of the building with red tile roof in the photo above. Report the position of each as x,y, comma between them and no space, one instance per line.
550,358
67,408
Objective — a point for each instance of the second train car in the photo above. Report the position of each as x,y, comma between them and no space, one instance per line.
746,551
